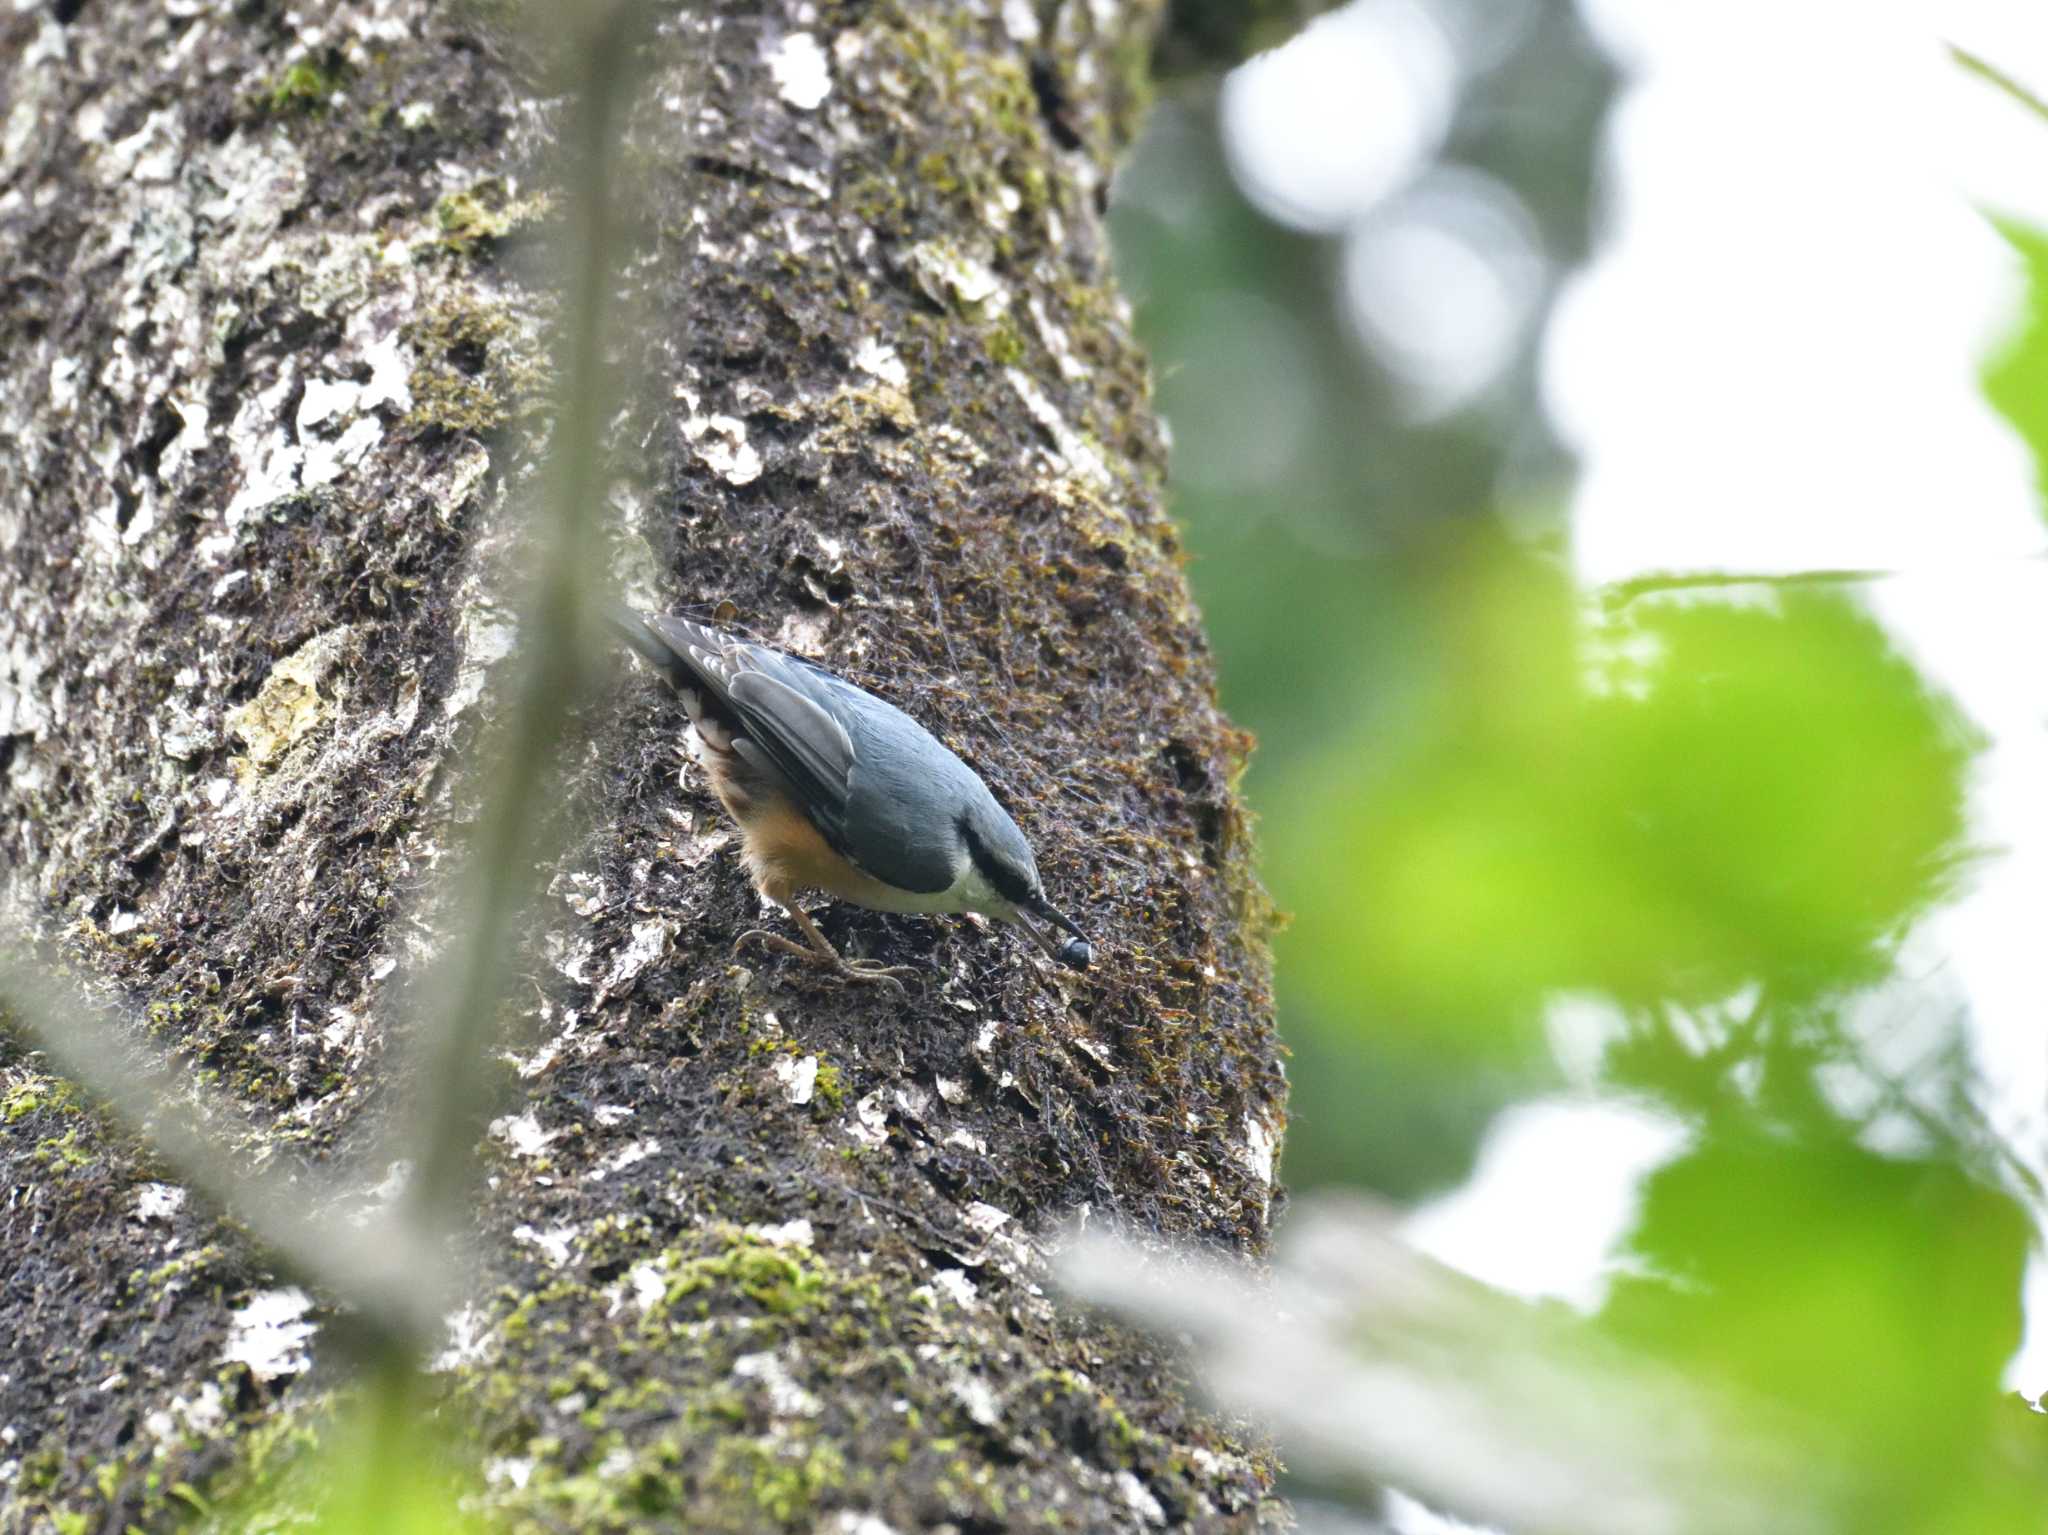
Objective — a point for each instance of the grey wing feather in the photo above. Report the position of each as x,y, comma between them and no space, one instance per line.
793,715
808,743
692,655
859,796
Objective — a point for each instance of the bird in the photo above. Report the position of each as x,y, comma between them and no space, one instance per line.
835,789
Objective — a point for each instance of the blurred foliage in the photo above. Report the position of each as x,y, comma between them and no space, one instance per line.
1321,518
1666,805
384,1466
1206,35
2016,379
1714,815
1877,1298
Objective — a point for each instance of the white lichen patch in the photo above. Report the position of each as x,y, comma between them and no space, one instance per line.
625,1157
270,460
385,1192
1074,453
269,1333
488,635
978,1397
870,1122
469,1340
289,705
721,443
796,1233
957,1288
579,890
802,76
1257,1152
950,277
875,357
1096,1051
647,943
798,1076
511,1471
158,1201
1020,21
182,734
1055,338
150,153
849,1523
1139,1498
649,1283
986,1219
24,709
805,633
849,47
522,1133
786,1399
570,953
554,1243
999,209
199,1416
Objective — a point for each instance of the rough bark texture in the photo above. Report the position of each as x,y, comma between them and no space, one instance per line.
759,1252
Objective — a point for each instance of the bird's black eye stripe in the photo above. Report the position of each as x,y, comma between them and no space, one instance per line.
1011,883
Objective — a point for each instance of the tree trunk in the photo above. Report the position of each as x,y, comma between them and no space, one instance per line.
758,1252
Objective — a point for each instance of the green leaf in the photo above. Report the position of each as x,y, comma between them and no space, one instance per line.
1668,806
1875,1300
2016,376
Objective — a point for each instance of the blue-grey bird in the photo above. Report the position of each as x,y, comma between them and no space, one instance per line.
836,790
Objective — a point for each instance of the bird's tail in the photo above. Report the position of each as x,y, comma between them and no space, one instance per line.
640,636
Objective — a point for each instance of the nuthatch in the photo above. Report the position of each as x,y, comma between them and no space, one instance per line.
835,790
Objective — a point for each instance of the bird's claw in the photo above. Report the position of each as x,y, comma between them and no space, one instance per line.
775,941
876,972
863,970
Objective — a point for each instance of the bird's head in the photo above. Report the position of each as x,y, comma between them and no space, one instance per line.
1014,893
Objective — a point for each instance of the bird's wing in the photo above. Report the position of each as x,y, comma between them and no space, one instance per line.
871,803
797,715
801,738
694,657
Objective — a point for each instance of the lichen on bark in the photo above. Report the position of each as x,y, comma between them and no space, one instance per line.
757,1252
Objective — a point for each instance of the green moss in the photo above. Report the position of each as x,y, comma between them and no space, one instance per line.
783,1481
776,1278
479,216
306,84
62,1153
829,1091
476,367
33,1093
1006,344
182,1267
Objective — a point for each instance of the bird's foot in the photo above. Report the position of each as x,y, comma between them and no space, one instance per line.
873,970
867,971
785,945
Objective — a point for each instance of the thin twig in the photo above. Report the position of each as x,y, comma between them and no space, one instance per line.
469,983
374,1268
1991,74
1618,594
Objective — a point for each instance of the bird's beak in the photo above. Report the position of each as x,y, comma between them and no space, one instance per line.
1037,921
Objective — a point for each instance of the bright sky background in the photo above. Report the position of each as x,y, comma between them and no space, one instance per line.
1771,365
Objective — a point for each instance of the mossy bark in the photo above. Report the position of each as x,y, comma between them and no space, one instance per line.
758,1252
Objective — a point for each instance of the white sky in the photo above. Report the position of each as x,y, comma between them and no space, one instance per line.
1771,365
